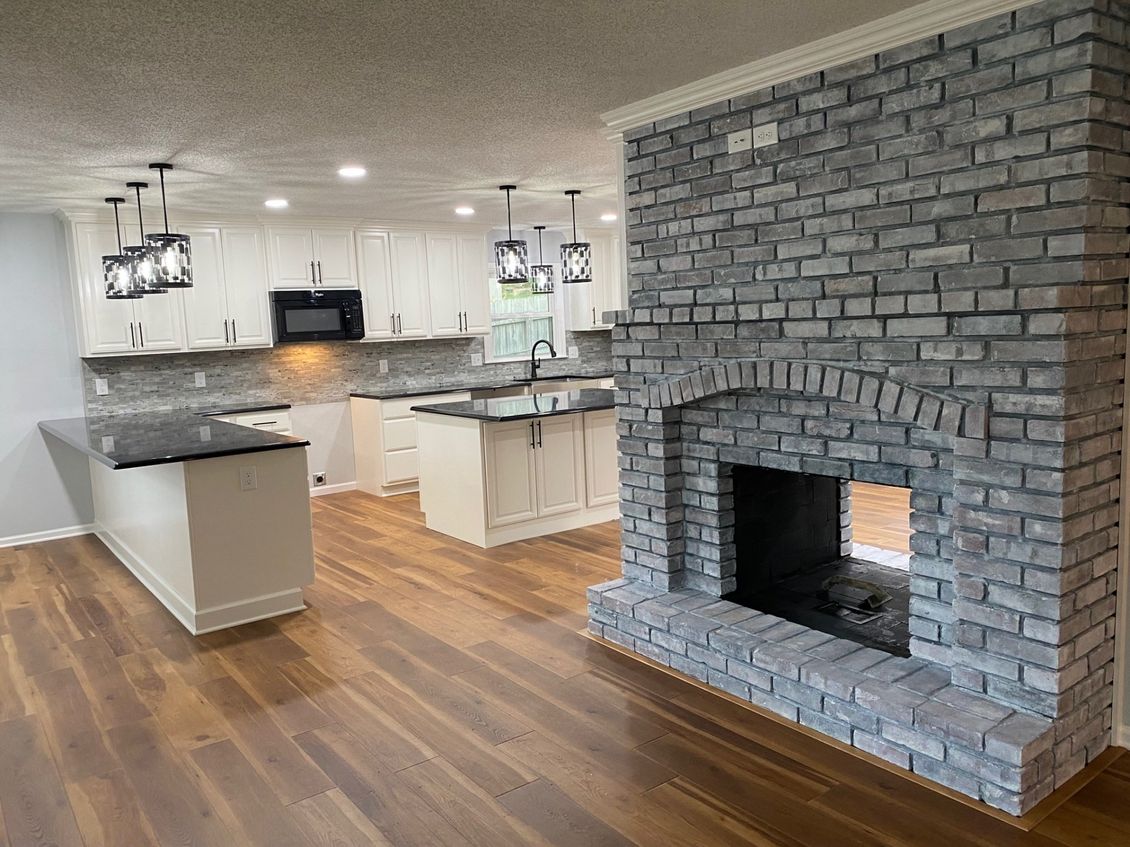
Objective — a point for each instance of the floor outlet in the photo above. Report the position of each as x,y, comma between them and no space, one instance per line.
382,366
201,382
319,478
248,479
101,387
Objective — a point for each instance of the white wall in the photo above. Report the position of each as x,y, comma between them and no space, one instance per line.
329,429
44,486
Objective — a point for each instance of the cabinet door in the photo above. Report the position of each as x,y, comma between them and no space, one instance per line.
376,284
334,258
581,306
602,278
410,283
473,292
602,475
160,321
106,322
511,496
558,464
291,253
443,284
245,275
205,304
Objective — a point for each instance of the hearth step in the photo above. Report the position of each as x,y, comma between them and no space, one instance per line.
855,593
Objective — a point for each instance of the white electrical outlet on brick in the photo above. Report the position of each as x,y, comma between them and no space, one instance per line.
765,135
201,381
476,359
382,366
101,387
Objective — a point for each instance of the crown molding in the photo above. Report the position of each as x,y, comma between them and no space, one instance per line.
921,21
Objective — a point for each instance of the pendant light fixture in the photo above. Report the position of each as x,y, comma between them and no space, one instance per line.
115,268
541,274
576,256
171,252
511,256
142,274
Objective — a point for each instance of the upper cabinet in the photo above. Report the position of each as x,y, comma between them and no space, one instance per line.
227,305
394,283
302,257
152,324
588,301
457,284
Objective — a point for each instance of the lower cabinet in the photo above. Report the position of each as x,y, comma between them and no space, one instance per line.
534,468
602,477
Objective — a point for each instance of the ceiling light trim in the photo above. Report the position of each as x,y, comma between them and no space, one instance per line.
921,21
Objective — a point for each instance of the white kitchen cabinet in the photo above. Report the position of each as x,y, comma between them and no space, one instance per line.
319,257
151,324
512,475
602,477
587,301
394,277
559,465
457,284
227,305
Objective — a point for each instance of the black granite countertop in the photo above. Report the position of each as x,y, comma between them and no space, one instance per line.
421,391
214,411
527,406
157,438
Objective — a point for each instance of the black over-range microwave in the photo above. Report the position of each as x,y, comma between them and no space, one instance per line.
317,315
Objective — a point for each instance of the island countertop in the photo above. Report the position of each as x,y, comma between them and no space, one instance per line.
452,387
141,439
526,406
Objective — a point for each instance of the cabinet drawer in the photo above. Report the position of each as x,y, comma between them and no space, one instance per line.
401,466
399,434
270,421
402,406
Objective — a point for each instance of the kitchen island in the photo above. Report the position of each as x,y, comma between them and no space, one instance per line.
503,469
212,517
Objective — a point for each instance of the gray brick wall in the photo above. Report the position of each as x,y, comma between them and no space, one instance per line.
922,283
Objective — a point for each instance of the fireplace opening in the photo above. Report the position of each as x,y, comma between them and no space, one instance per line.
796,557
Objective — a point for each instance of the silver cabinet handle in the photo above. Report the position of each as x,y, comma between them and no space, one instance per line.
532,444
227,338
539,433
466,323
594,315
320,280
399,325
140,334
313,279
392,324
132,337
234,334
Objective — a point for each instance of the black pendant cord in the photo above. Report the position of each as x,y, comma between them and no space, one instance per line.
573,204
118,229
509,228
541,255
140,223
164,208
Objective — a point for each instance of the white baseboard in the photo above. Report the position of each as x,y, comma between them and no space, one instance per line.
323,490
47,535
204,620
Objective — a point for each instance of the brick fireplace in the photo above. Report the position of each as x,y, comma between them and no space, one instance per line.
922,284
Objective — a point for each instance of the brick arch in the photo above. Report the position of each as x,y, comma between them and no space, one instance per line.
903,402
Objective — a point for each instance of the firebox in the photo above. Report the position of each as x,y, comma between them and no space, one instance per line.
794,559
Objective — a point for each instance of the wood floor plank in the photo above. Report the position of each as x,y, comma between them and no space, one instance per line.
331,820
186,718
71,729
167,794
115,701
543,807
292,776
32,798
108,812
264,820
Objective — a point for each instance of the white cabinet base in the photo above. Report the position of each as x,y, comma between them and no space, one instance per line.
214,555
454,486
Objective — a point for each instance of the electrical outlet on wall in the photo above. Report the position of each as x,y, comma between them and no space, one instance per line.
201,381
738,141
765,135
382,366
101,387
476,359
574,352
319,478
248,478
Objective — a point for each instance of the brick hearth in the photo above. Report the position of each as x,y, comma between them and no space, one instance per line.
922,284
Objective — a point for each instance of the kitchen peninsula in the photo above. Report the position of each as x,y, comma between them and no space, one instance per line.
503,469
212,517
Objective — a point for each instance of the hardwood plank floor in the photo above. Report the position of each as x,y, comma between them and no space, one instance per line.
433,694
880,516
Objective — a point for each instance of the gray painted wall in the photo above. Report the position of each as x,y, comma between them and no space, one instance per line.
43,486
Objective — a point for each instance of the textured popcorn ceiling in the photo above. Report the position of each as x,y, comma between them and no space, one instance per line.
442,101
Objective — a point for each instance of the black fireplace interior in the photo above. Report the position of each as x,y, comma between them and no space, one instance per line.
792,543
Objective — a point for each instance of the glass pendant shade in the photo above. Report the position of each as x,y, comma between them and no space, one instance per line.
170,252
511,257
576,256
541,274
115,267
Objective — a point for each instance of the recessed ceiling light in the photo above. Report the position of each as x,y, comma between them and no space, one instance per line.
608,216
352,172
276,203
464,210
